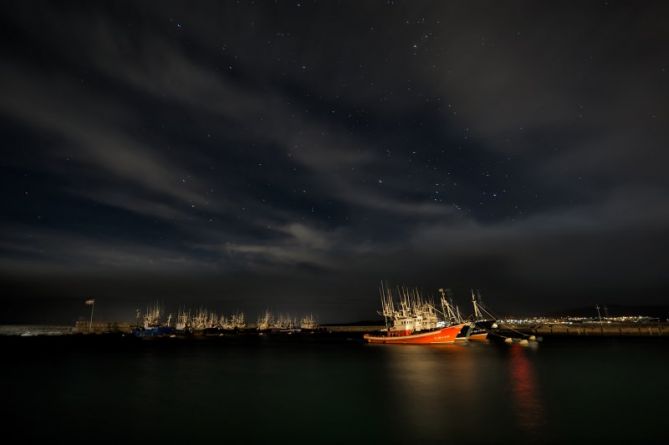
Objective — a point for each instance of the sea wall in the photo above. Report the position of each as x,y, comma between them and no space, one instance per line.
593,330
102,327
32,330
352,328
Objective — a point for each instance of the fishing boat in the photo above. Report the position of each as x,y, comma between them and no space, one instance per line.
152,325
234,322
412,319
486,327
183,325
481,324
265,321
308,323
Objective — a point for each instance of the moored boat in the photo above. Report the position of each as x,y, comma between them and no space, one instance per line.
481,326
413,319
484,324
443,335
152,325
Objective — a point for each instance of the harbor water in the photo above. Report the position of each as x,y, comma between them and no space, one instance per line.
320,390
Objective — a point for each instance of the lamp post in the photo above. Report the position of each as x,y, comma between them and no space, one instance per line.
599,315
91,303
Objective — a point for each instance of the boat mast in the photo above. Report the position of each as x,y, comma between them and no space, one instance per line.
477,311
446,307
386,304
457,313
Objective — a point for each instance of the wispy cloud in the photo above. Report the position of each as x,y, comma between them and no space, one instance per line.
440,141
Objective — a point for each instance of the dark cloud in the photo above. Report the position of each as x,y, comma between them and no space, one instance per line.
293,155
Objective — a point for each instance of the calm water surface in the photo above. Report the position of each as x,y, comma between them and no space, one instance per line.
279,391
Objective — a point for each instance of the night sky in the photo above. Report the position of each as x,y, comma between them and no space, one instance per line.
291,155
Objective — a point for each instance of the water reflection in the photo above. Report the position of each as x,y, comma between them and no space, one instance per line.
529,407
447,391
434,388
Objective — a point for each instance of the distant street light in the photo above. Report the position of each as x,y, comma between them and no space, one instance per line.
91,303
599,315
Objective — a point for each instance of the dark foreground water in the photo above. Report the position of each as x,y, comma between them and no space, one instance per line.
324,391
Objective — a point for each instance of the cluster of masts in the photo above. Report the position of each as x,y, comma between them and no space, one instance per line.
202,319
267,321
406,309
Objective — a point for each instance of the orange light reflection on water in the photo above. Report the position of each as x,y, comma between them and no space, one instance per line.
434,386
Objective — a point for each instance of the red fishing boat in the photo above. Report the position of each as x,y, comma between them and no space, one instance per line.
413,319
443,335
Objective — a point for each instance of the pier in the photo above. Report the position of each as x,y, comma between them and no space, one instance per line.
659,329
